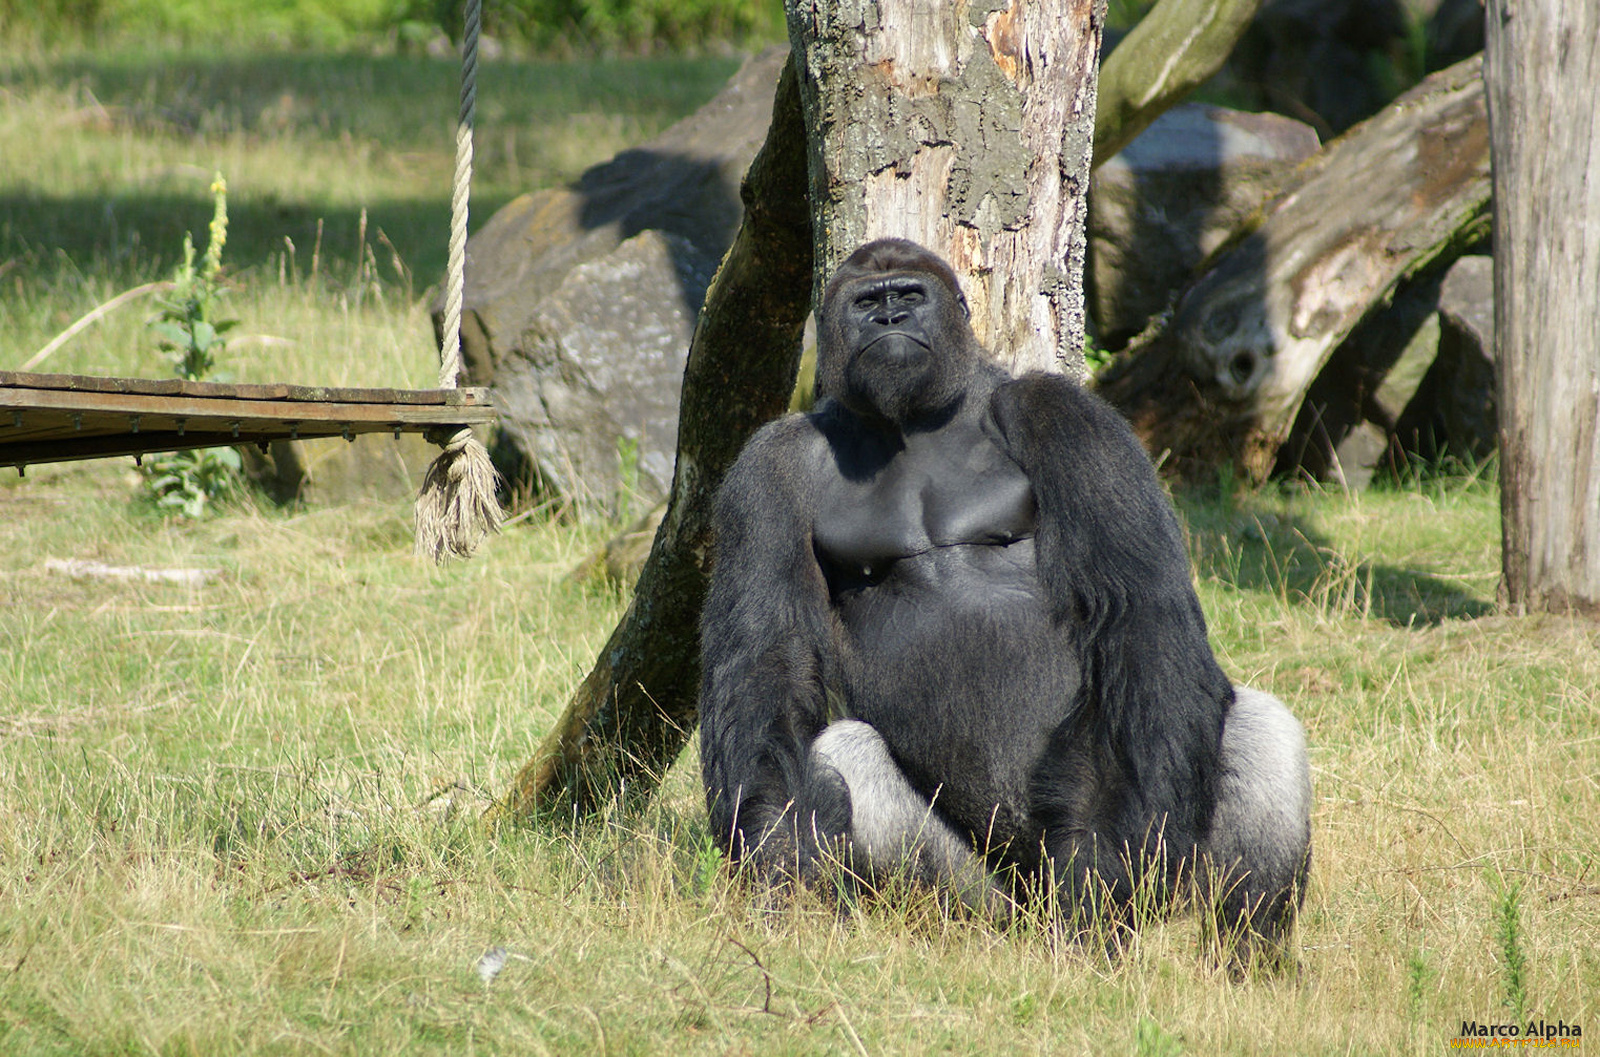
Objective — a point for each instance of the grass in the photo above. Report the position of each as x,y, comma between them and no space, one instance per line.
243,817
338,168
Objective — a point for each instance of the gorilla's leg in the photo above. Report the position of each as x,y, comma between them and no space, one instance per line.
893,828
1260,845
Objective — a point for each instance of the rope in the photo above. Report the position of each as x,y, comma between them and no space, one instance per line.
456,508
456,274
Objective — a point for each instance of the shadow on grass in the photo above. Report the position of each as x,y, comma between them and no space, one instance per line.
402,107
130,238
1254,545
405,103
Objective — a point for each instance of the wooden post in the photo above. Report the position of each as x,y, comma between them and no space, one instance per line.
1542,73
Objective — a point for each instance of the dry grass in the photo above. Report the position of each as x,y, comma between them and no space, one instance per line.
243,817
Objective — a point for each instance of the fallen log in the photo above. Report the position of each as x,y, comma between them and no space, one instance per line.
1220,381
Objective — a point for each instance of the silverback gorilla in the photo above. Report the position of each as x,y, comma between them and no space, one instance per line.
951,632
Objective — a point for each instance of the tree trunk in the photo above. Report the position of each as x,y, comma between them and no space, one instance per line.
637,708
1221,382
1542,72
966,128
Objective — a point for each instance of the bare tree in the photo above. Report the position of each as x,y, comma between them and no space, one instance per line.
1542,74
636,709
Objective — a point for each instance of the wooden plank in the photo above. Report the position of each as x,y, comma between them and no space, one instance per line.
184,406
51,418
69,449
18,380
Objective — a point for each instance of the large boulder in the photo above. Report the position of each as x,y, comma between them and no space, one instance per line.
581,301
1164,203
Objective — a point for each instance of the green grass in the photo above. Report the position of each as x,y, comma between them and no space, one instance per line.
243,817
538,26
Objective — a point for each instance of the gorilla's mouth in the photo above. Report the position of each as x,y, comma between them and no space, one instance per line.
897,348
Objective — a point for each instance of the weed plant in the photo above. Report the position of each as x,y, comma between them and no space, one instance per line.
1513,962
193,336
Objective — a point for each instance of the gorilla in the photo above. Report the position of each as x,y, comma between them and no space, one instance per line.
951,634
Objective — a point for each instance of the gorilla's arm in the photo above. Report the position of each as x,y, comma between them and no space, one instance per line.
1137,756
766,633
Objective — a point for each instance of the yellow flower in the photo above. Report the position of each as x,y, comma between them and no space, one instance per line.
219,229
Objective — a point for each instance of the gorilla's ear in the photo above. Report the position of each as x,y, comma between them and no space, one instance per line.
961,299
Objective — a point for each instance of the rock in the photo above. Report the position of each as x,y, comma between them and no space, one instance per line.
591,392
1174,195
1454,413
622,558
329,470
1466,303
581,301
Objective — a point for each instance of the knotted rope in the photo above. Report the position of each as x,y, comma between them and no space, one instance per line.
457,508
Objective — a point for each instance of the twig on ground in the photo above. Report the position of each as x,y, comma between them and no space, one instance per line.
81,569
91,316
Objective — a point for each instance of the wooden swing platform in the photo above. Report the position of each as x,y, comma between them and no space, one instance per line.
61,417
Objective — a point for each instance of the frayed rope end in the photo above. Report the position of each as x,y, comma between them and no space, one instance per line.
456,509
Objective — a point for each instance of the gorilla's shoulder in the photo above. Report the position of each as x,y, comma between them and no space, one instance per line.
780,454
1045,392
1040,405
786,438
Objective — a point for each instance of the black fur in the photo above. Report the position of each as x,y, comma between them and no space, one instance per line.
986,571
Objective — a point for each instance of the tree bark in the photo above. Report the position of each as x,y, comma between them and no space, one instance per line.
636,709
966,128
1542,72
1220,383
1174,49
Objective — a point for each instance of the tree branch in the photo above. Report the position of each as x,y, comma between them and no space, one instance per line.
1174,49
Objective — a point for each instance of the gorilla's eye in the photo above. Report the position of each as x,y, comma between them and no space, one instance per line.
906,291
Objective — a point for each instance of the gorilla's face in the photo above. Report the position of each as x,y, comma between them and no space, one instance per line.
888,324
896,344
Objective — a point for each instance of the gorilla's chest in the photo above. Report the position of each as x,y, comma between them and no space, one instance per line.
950,489
948,649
